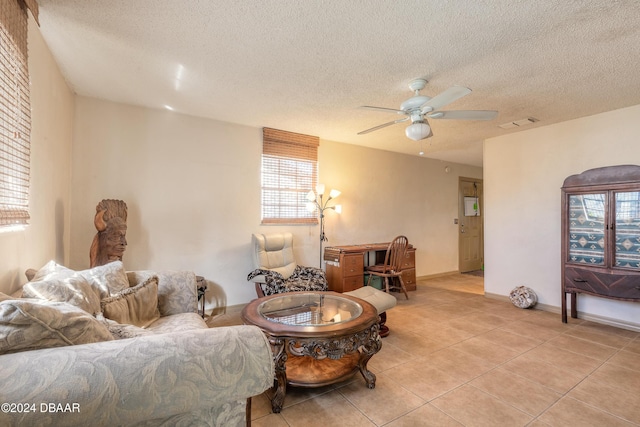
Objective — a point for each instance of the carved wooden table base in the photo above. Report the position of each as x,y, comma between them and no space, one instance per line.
365,343
315,355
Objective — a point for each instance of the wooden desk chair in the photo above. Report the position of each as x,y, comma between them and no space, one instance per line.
392,267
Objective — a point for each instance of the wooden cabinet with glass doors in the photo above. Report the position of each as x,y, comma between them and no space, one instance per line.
601,235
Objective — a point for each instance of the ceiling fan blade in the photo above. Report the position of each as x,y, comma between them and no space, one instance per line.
447,97
464,115
383,125
382,109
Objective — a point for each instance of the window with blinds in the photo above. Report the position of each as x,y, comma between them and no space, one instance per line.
15,113
289,172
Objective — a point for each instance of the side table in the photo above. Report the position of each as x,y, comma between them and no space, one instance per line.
202,288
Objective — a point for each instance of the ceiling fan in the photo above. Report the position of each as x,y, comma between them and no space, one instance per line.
419,107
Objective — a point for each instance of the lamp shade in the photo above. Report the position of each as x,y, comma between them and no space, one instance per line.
311,196
334,193
417,131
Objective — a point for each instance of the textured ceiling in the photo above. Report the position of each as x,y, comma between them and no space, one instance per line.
306,66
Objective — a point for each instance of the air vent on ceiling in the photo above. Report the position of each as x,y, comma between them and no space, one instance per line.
518,123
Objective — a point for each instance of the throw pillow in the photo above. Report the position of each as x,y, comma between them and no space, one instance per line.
134,306
27,324
50,269
64,286
108,279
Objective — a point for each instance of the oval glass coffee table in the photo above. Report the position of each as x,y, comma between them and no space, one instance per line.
317,338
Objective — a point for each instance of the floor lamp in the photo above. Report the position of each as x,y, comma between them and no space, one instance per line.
315,202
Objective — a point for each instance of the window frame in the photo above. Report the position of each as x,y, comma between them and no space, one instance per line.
15,114
289,170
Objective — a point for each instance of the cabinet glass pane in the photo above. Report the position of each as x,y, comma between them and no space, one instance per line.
586,228
628,229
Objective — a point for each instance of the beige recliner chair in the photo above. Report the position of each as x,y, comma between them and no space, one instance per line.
276,268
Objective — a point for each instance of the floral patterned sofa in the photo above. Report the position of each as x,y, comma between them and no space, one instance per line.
65,361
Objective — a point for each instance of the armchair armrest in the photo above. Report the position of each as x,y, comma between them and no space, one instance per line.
268,282
177,290
125,382
310,273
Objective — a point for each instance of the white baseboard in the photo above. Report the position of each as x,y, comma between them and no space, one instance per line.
622,324
497,296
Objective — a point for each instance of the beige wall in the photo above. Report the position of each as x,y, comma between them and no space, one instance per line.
192,186
47,236
386,194
189,184
523,173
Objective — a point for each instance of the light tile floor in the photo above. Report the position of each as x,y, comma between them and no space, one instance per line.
456,358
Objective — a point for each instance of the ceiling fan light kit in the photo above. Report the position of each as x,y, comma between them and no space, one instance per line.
419,107
417,131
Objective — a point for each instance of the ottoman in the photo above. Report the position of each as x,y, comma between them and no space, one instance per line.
382,301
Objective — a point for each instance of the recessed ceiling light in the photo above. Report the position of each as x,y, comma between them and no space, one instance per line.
169,107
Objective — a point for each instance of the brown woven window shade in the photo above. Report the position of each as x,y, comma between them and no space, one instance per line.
15,114
289,172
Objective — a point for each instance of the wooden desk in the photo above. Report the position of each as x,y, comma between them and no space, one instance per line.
345,265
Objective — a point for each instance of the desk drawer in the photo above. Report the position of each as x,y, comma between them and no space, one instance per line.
617,285
353,265
409,259
409,279
352,283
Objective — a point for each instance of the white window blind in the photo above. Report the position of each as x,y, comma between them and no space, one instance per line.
15,112
289,172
